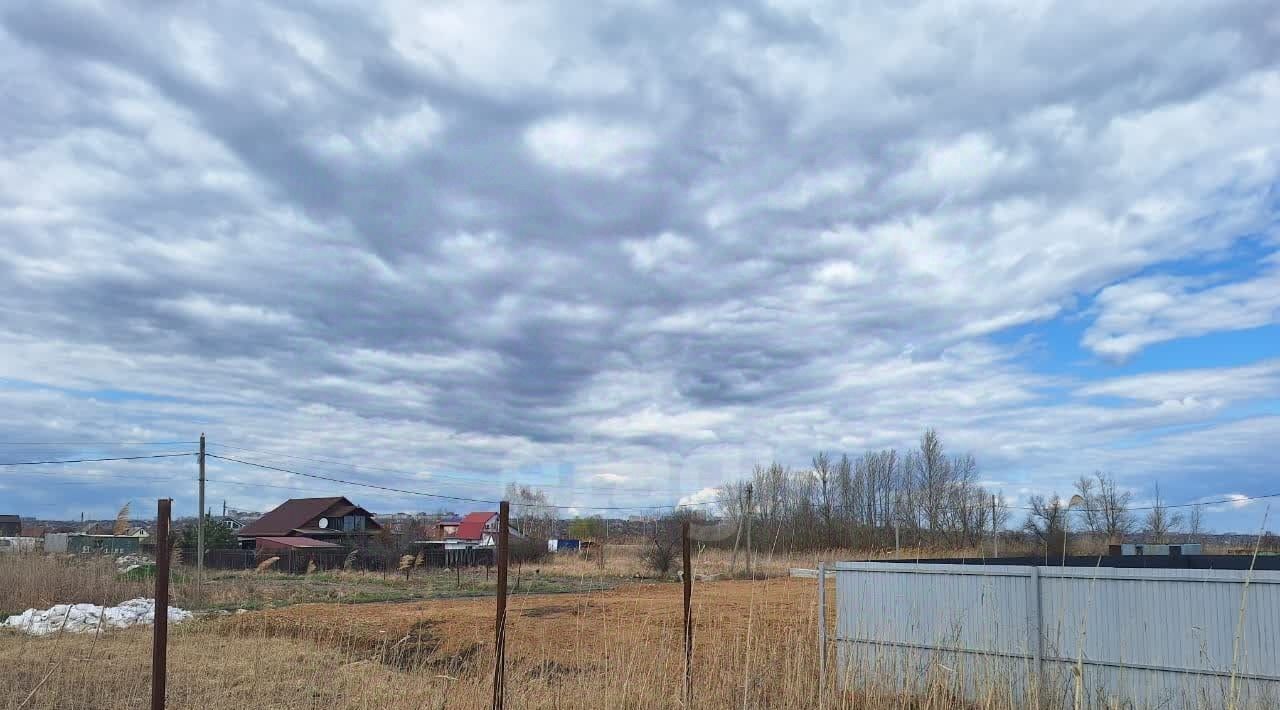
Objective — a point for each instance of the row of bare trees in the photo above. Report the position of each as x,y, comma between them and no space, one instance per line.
1105,511
924,496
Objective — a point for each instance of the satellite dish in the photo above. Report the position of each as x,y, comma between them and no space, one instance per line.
324,523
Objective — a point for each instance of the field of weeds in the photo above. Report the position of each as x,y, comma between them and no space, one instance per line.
755,647
40,581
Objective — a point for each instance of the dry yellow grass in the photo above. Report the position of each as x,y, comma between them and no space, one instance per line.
755,648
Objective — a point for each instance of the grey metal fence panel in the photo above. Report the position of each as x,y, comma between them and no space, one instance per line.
1149,637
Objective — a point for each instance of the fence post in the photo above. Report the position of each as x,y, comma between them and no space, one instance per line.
1036,633
500,623
160,630
688,616
822,632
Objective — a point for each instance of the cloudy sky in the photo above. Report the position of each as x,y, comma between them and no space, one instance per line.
625,252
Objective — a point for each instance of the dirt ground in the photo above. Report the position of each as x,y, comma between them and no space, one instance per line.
540,625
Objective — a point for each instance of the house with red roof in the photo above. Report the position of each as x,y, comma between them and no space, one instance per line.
475,530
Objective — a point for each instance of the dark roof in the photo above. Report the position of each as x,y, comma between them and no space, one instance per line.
472,526
290,515
297,542
10,519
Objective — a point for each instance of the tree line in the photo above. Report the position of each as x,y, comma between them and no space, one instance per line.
919,496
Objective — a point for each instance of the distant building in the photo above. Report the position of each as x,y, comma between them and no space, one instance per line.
1138,549
476,530
10,526
447,528
560,544
325,519
231,524
33,531
77,543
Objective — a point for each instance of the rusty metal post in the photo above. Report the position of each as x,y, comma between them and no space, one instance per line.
688,616
500,623
160,639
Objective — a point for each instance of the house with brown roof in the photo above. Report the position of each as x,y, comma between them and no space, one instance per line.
329,520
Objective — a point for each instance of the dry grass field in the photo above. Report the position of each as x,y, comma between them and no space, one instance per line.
617,648
580,635
611,648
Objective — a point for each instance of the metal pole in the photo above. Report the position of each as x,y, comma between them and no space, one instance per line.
749,531
160,636
995,531
822,631
688,616
200,529
500,623
1037,632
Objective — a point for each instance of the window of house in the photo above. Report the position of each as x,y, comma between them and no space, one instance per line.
353,523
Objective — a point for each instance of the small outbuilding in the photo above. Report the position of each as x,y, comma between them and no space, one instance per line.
10,526
297,553
77,543
561,544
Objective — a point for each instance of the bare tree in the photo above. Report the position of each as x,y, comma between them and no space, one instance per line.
825,472
533,512
933,476
1161,521
1106,506
1195,523
1047,523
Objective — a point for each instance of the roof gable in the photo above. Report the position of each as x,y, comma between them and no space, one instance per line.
472,526
290,515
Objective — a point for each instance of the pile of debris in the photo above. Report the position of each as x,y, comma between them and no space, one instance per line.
128,563
87,618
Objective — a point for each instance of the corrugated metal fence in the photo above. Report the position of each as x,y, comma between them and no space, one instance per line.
1018,635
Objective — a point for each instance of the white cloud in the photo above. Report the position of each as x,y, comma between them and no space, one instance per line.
665,250
224,313
1141,312
594,146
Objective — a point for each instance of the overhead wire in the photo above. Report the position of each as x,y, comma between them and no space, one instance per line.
447,497
97,443
409,474
97,460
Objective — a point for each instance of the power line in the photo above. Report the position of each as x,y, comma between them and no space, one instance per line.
115,458
445,497
410,474
95,443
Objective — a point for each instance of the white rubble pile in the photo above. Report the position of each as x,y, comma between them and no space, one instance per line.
128,563
85,618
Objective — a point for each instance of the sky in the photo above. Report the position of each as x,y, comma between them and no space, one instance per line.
626,252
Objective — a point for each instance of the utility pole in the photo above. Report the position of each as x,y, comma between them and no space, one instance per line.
200,529
749,515
995,530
